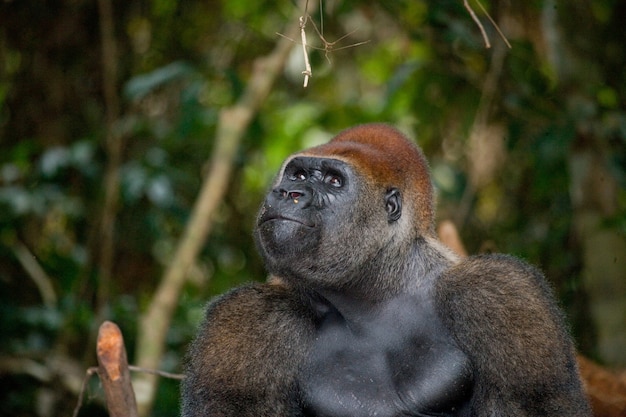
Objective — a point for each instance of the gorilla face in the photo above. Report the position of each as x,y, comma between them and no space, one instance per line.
305,203
316,205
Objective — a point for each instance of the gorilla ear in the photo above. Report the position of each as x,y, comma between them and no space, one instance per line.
393,204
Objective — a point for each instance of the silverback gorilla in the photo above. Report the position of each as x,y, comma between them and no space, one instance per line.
366,313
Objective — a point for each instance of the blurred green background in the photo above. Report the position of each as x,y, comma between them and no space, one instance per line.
109,117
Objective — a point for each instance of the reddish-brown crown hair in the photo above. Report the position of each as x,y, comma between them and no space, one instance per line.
388,159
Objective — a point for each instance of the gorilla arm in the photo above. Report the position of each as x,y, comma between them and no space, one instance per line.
247,353
502,314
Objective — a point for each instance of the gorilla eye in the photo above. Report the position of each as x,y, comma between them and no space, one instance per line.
299,175
334,180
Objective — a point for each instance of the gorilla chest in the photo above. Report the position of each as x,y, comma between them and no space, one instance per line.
395,360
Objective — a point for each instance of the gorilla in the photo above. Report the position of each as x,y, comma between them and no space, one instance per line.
366,313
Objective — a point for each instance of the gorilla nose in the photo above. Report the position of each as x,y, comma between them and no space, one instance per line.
293,195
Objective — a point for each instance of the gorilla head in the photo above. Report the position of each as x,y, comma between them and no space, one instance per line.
369,186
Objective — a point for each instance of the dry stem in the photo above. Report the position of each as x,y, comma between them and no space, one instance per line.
480,25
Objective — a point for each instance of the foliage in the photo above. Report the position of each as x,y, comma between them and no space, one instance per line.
424,68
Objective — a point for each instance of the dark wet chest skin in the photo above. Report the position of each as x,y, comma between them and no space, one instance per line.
394,360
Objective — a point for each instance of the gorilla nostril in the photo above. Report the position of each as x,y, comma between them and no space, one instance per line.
290,195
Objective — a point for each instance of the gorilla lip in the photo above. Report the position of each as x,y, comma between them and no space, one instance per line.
289,219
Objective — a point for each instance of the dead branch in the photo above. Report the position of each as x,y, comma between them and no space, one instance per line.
495,25
114,372
164,374
328,46
95,370
88,374
480,25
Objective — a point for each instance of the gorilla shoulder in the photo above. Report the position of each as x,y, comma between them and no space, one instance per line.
503,315
244,358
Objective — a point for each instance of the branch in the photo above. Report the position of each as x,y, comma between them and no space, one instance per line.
232,125
83,388
164,374
114,373
495,25
480,25
95,370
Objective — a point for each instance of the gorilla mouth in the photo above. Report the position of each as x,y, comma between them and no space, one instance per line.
288,219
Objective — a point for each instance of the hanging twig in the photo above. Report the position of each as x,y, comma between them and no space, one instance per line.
495,25
480,25
307,66
328,46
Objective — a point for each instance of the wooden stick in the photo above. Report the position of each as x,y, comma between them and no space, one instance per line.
495,25
480,25
114,373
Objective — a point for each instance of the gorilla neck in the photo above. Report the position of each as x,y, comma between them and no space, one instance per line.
392,273
377,285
